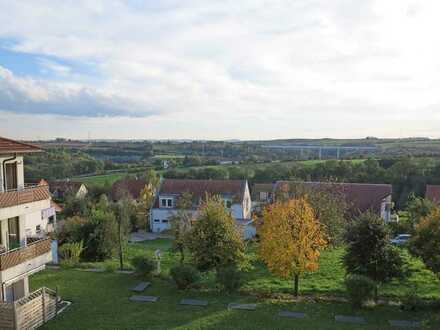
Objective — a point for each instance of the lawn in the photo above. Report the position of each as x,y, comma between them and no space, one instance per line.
100,300
101,180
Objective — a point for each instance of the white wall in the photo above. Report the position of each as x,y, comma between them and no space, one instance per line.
385,209
20,170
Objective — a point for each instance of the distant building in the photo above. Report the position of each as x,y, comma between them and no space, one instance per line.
235,194
360,197
61,189
433,193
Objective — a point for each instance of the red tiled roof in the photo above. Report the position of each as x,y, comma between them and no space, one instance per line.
133,186
433,193
199,188
8,146
360,197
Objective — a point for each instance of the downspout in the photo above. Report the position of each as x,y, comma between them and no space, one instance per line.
4,169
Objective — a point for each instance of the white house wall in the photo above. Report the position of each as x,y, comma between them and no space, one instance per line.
20,169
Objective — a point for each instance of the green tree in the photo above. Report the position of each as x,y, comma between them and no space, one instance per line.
370,253
214,240
123,210
417,209
426,242
181,223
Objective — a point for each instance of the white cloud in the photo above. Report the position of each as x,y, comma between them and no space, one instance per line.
287,63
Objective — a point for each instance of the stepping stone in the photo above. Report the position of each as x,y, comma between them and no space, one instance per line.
404,324
194,302
295,315
94,270
247,307
140,286
350,319
144,298
129,272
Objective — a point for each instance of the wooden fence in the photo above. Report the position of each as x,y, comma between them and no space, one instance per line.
29,312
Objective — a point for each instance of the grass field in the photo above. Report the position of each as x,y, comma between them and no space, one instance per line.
101,180
100,300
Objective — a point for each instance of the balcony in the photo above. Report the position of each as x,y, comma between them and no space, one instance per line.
28,194
30,312
24,254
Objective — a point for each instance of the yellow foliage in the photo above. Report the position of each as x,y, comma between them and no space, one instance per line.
290,238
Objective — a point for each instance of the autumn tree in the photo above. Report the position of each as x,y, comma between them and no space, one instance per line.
152,181
181,223
426,241
214,240
328,202
291,239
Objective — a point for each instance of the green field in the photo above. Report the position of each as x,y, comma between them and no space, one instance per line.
101,180
100,300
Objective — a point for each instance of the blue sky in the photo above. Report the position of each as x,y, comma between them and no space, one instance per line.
219,69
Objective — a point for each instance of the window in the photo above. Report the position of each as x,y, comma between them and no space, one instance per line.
228,204
166,202
38,229
156,220
165,221
263,196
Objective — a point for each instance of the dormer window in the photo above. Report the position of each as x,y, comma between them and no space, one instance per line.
166,202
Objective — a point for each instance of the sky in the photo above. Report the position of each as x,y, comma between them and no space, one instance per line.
248,69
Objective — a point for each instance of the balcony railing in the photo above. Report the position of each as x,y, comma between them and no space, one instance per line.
22,254
28,194
30,312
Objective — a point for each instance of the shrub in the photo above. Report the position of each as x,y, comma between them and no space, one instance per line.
70,253
229,278
360,289
143,264
411,301
184,276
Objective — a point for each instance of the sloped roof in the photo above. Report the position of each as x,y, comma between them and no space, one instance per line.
199,188
433,193
64,186
360,197
133,186
8,146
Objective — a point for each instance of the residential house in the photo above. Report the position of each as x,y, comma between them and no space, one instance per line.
433,193
360,197
62,188
262,193
25,248
130,186
235,194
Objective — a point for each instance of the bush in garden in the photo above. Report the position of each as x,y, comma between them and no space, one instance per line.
229,278
360,289
184,276
143,265
70,253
